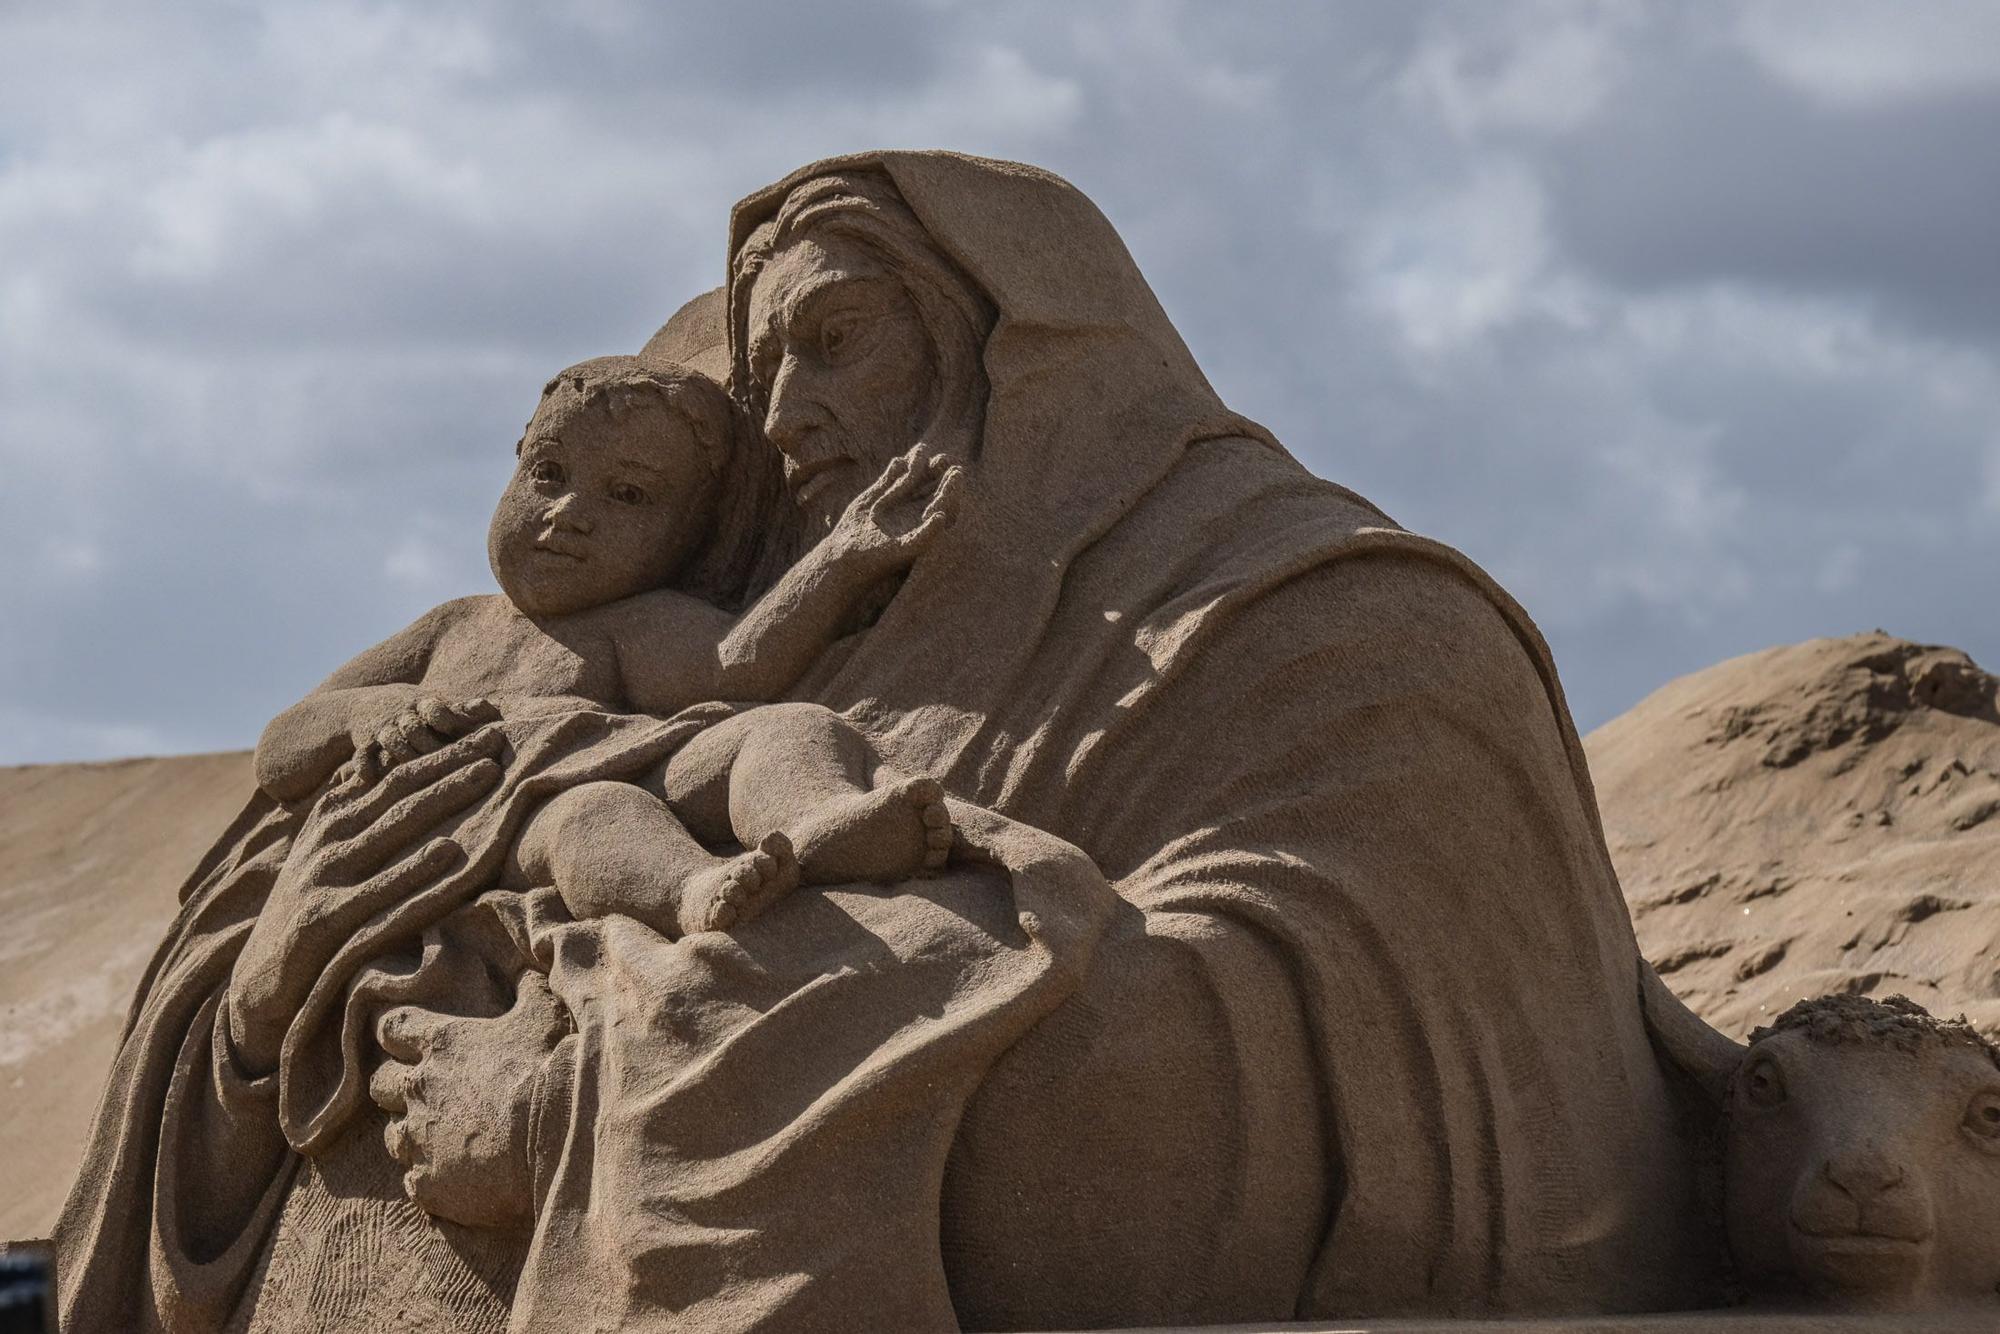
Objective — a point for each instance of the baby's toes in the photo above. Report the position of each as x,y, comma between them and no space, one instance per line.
924,793
778,864
726,905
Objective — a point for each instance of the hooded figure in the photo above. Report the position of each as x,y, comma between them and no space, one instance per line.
1281,971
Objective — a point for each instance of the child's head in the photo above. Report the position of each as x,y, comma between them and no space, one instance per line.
621,470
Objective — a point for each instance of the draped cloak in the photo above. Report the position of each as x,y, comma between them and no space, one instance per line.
1285,972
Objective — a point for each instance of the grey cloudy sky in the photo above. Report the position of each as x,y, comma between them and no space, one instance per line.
1681,319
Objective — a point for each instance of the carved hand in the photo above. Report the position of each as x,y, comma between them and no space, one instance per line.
417,729
899,515
346,864
459,1093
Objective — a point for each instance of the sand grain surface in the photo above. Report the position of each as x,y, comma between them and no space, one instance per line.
1823,817
91,858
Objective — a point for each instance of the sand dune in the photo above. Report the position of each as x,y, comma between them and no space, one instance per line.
1813,819
91,856
1821,817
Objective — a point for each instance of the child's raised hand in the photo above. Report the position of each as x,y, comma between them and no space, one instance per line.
901,512
420,728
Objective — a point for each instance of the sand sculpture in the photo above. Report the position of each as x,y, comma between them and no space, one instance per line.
999,845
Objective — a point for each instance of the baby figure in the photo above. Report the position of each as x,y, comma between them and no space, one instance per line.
612,543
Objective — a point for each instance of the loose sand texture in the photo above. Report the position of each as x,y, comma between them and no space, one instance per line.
1812,819
91,857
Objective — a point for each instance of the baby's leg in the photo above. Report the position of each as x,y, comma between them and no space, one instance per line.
616,848
803,771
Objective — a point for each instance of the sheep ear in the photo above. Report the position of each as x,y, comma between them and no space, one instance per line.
1704,1054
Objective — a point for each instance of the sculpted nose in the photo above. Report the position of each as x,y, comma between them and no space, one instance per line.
566,513
1864,1175
790,419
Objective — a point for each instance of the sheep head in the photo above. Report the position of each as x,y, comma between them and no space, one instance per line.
1861,1150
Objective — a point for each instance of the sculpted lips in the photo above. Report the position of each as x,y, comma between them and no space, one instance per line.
806,475
546,545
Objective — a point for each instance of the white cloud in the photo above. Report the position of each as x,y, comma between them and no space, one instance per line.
1461,263
1863,53
1544,67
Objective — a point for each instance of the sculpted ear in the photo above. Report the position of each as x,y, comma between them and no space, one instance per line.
1704,1054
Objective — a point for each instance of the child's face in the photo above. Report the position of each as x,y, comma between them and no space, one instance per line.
601,507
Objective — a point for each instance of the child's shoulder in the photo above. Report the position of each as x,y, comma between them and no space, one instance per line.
477,610
476,606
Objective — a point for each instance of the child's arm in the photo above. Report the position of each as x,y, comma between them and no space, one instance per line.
304,745
670,659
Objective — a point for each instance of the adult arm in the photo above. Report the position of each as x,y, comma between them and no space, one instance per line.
188,1166
675,651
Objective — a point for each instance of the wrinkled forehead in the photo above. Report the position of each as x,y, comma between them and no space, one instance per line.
804,271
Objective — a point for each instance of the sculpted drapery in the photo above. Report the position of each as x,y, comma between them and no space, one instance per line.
1281,971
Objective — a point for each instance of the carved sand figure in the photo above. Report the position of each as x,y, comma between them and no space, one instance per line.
603,544
1282,972
1861,1152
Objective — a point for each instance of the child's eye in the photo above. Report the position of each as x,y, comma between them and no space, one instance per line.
547,470
627,494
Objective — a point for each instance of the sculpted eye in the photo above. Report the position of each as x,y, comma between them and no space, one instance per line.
1763,1083
627,494
1982,1118
548,471
839,334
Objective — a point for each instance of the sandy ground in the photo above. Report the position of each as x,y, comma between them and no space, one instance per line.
1820,817
91,858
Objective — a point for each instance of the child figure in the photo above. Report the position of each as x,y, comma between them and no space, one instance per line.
616,507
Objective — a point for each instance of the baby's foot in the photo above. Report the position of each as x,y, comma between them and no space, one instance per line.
888,833
738,888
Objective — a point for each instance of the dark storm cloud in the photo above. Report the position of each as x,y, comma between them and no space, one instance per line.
1678,320
1709,169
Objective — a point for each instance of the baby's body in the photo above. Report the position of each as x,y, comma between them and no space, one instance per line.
597,517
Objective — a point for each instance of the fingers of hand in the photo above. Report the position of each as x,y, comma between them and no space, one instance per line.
403,823
389,1086
411,876
394,745
909,474
404,1033
875,490
924,533
417,733
477,712
455,720
426,770
540,1007
437,715
950,487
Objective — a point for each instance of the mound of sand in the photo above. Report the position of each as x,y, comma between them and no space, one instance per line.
91,857
1812,819
1823,817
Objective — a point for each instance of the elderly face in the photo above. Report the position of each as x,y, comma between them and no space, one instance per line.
840,355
